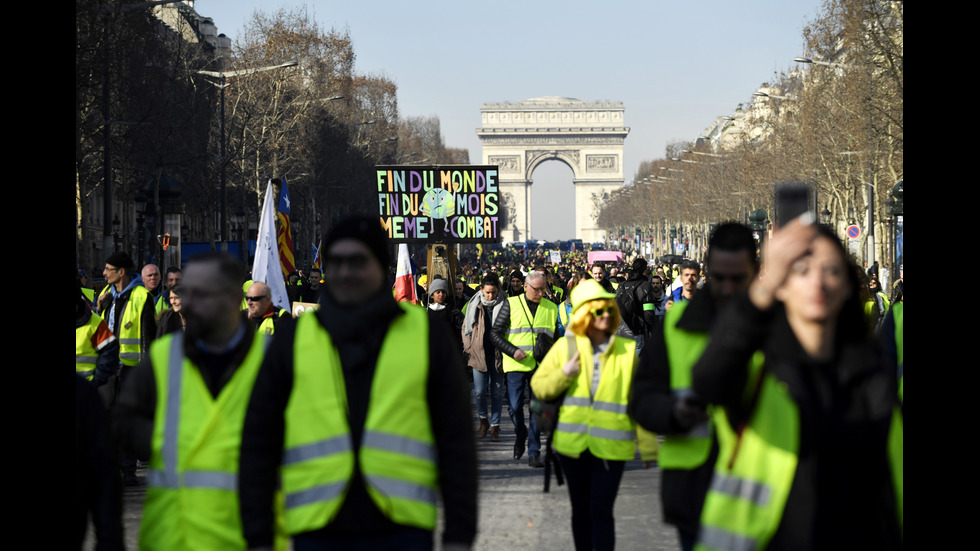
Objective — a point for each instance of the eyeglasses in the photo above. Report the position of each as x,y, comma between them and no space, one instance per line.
255,298
535,289
599,312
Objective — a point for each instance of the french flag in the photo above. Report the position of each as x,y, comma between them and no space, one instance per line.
404,278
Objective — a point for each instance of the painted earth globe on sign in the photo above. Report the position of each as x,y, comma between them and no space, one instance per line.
438,203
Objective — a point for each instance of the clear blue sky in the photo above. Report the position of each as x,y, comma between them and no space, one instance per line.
675,65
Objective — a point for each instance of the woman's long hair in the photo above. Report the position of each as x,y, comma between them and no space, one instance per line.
851,324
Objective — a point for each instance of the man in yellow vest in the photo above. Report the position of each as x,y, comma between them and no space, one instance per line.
362,412
262,312
184,408
663,401
524,330
128,308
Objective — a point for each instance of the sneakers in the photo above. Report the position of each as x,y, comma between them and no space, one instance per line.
519,449
495,433
535,461
484,426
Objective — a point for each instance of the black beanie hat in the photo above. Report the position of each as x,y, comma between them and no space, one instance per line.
365,229
120,260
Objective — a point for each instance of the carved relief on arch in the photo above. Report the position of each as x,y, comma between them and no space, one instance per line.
507,163
601,163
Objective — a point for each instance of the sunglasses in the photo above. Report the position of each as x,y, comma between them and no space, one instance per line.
255,299
599,312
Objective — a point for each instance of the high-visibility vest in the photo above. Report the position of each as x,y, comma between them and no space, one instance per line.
130,326
690,450
192,496
756,467
397,455
268,325
600,422
523,332
86,355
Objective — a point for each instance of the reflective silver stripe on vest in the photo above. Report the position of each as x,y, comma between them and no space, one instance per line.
324,492
540,330
171,417
159,479
315,450
210,479
129,355
716,538
576,401
741,488
400,488
399,444
610,407
129,341
86,359
526,348
572,428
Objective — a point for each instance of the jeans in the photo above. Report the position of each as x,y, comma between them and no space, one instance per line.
515,400
496,382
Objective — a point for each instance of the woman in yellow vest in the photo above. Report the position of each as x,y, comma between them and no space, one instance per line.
810,440
595,435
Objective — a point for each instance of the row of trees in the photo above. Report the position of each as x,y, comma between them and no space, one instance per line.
150,103
838,124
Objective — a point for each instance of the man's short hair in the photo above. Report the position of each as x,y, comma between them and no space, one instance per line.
732,237
691,265
228,267
174,270
533,275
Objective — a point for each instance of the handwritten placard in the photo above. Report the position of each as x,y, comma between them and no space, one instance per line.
448,204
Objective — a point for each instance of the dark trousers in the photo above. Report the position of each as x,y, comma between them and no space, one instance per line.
592,486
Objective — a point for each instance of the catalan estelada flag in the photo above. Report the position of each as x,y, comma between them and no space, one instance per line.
283,236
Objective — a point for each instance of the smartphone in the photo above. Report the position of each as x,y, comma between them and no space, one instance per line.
792,200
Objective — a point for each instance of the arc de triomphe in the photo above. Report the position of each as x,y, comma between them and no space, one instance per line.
586,136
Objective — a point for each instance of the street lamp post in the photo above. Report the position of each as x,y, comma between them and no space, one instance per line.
224,76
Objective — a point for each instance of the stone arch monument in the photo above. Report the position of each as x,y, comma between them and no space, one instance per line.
586,136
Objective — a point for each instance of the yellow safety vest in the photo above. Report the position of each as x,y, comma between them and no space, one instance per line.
523,332
599,422
86,355
690,450
192,498
397,455
130,326
747,496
